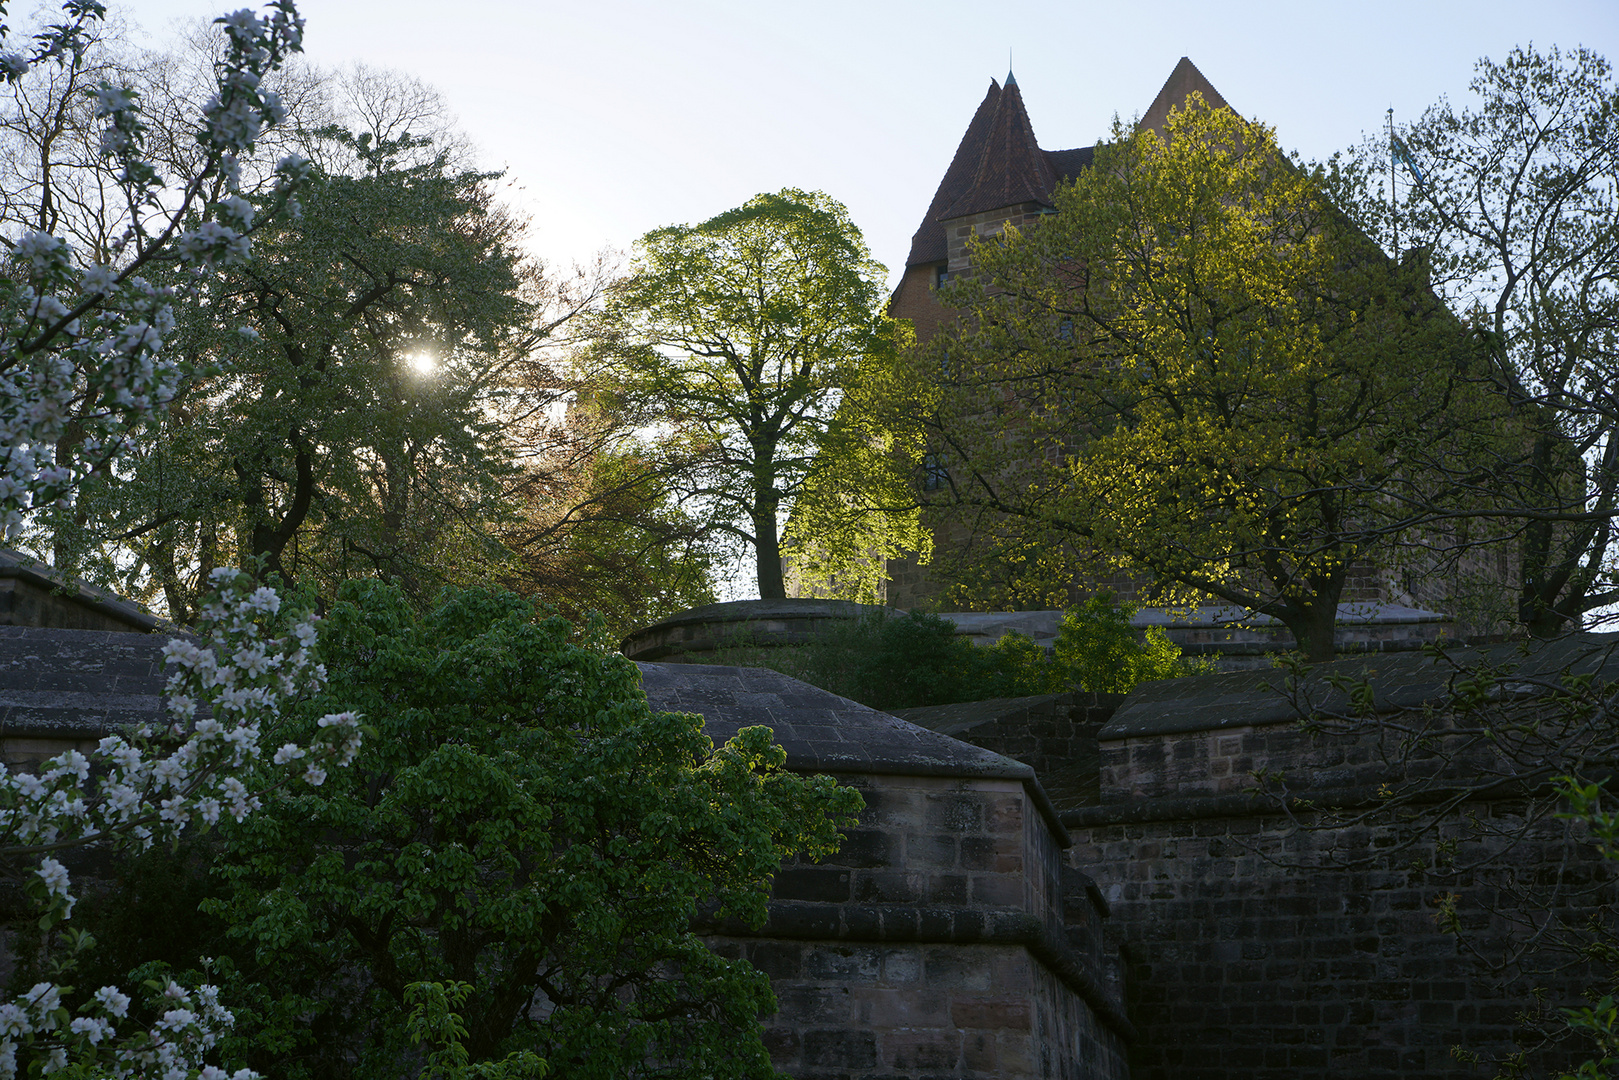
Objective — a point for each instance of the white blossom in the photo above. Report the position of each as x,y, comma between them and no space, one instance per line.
55,876
114,1001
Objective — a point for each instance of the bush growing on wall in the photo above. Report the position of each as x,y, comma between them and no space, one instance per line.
899,662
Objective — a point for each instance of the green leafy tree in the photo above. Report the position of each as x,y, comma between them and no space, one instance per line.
521,824
1197,370
734,341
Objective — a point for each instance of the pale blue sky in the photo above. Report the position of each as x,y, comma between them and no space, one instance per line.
618,116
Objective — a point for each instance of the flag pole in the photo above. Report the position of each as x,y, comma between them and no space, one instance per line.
1394,203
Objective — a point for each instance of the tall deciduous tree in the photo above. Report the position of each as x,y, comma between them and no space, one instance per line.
733,341
1516,197
1199,370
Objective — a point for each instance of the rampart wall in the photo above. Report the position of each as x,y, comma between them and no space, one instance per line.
948,937
1259,943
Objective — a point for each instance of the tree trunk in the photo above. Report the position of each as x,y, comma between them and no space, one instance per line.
768,548
270,538
766,537
1316,630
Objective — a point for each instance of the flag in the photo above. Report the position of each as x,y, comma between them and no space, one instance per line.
1402,154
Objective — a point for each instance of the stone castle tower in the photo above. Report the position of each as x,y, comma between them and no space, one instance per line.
1000,175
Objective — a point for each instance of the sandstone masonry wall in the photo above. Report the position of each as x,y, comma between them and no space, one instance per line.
1240,966
947,938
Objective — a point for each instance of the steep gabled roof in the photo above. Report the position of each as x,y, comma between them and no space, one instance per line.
1011,169
1068,163
999,163
928,245
1181,84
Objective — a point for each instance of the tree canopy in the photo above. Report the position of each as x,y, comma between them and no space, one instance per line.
734,341
1513,196
381,393
1198,371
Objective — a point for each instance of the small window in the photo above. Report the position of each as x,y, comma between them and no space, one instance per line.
934,474
941,276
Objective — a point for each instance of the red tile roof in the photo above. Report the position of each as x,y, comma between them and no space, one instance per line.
997,164
1011,168
927,245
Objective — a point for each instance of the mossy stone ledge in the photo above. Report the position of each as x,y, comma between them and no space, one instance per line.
693,636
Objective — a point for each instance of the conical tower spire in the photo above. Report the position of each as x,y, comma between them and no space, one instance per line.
1180,85
1011,169
928,243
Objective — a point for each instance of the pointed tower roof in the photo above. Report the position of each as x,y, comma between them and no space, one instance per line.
999,164
928,245
1182,82
1011,169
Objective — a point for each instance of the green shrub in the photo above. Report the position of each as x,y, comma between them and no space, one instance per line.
900,662
519,828
1097,649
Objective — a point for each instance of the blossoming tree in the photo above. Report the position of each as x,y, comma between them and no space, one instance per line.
81,370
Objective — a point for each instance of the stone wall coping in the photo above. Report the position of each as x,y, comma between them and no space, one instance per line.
961,716
825,733
790,608
15,564
1255,698
1042,625
702,629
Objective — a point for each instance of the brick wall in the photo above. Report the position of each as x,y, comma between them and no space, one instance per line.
914,300
1255,948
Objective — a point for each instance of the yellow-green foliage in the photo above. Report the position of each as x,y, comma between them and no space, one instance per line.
1197,369
1097,649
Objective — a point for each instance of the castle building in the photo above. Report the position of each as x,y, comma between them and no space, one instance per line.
1000,176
